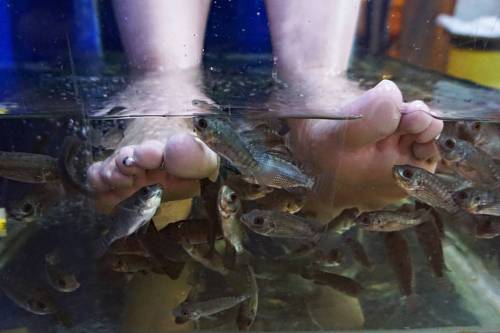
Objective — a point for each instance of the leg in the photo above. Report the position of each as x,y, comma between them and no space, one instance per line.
164,41
312,42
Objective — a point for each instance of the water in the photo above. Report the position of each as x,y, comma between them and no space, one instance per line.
51,106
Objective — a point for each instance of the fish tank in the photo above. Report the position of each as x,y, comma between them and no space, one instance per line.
249,165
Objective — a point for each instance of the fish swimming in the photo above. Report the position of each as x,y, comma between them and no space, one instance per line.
246,190
229,208
188,310
388,220
478,201
398,255
282,225
28,168
344,221
130,215
429,237
33,300
470,162
425,187
280,200
248,308
59,278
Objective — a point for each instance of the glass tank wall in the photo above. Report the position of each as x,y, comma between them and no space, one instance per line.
250,191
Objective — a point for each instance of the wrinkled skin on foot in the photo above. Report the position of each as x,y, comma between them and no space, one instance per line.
353,159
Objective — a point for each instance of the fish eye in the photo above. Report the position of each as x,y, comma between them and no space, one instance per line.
462,195
477,199
62,282
202,123
184,312
258,221
233,197
407,173
27,207
365,220
37,304
450,143
476,126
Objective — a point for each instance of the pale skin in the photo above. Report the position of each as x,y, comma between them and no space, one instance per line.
312,44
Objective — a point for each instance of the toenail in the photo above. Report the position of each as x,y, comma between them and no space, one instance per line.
128,161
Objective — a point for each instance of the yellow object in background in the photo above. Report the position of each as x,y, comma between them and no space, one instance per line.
480,66
3,223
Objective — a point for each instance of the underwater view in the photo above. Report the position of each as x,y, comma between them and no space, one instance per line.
236,197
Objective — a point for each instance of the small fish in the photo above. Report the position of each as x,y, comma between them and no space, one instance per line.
341,283
324,262
28,209
130,215
33,300
468,161
478,201
482,135
358,252
246,190
398,255
344,221
130,263
281,225
429,237
248,308
196,310
389,220
201,254
28,168
425,187
255,163
229,207
280,200
58,278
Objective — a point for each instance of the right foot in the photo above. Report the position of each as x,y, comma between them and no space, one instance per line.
154,150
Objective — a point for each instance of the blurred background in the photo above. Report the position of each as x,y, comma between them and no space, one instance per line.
51,32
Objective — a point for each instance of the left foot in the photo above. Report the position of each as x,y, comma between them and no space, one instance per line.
354,158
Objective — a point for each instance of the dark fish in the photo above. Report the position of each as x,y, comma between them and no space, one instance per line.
429,237
129,263
27,210
341,283
192,231
130,215
59,278
425,187
468,161
280,200
28,168
482,135
398,255
281,225
487,227
478,201
229,207
128,246
344,221
33,300
389,221
188,310
358,252
248,308
209,193
200,254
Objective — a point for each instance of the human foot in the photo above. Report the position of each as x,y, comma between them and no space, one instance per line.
154,150
354,158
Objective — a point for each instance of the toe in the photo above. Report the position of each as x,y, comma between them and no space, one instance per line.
187,157
415,118
94,176
380,111
425,151
431,132
148,155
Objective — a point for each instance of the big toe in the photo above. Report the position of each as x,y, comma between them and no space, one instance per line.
379,109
